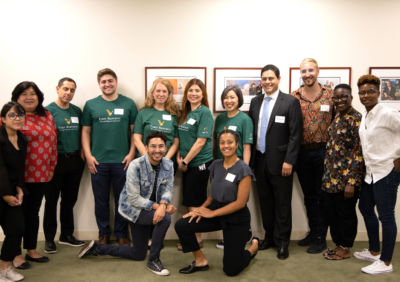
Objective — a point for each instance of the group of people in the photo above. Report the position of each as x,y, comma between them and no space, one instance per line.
339,155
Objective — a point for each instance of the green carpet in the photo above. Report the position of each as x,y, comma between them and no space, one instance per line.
300,266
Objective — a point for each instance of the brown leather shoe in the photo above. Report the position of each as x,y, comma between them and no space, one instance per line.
104,240
123,242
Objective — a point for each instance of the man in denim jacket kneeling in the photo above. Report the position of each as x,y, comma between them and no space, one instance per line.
144,201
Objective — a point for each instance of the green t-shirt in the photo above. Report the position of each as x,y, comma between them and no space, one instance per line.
109,122
150,119
241,123
68,124
199,124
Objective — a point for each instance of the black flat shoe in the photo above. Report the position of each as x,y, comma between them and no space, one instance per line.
41,259
193,268
24,265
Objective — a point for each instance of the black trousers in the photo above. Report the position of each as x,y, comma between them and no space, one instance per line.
341,216
32,201
275,196
66,181
235,228
12,222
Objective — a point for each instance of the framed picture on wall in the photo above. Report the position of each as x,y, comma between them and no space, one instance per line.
247,79
328,77
178,76
390,83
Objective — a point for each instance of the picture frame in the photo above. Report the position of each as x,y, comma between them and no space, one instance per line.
390,83
178,76
245,78
328,76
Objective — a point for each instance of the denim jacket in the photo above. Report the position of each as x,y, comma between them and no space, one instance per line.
140,178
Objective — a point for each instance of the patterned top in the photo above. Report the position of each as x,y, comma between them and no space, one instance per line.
343,161
41,158
317,115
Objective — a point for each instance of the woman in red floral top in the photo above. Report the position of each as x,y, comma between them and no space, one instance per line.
40,162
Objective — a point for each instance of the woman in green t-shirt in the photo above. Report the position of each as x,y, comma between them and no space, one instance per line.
195,150
234,119
160,113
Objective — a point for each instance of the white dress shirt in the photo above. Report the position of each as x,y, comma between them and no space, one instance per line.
380,141
273,96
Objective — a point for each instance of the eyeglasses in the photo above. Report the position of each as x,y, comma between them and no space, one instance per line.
369,92
15,115
343,97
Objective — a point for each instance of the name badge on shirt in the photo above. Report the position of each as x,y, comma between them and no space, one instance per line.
232,127
324,108
118,111
74,120
202,167
230,177
166,117
280,119
191,121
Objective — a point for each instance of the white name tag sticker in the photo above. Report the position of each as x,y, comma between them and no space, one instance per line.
280,119
202,167
118,111
166,117
324,108
191,121
232,127
74,120
230,177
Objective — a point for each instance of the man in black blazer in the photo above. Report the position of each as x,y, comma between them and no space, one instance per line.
277,133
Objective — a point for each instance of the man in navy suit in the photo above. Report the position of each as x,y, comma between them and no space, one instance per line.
278,131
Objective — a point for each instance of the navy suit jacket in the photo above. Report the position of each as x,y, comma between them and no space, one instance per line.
284,132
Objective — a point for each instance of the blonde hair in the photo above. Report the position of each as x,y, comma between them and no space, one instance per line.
309,60
170,105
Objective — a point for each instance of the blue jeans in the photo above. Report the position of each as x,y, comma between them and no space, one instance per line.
310,168
140,236
383,194
109,174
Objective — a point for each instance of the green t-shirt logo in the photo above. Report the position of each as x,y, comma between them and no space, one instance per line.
161,123
68,121
109,112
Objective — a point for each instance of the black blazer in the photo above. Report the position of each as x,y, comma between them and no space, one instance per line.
283,138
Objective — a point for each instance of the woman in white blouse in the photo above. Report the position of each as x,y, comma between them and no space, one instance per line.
380,141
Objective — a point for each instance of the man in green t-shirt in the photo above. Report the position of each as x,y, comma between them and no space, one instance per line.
107,142
68,172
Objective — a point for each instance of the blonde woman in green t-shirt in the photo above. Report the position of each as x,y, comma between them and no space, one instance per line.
160,113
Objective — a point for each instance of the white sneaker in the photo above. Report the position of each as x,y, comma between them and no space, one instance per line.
378,267
366,255
3,279
11,275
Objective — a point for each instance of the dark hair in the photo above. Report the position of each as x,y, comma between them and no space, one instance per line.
186,103
21,87
104,72
237,91
10,105
272,68
370,79
229,131
156,134
61,81
344,86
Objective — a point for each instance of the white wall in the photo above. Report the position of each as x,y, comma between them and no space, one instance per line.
44,40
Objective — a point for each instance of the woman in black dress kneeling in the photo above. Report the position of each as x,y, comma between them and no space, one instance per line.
224,209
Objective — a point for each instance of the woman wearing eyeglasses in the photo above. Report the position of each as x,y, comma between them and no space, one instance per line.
12,167
380,143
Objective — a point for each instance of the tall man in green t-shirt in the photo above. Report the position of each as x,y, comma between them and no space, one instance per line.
107,142
68,172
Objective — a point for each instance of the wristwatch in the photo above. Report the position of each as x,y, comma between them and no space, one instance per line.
184,163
